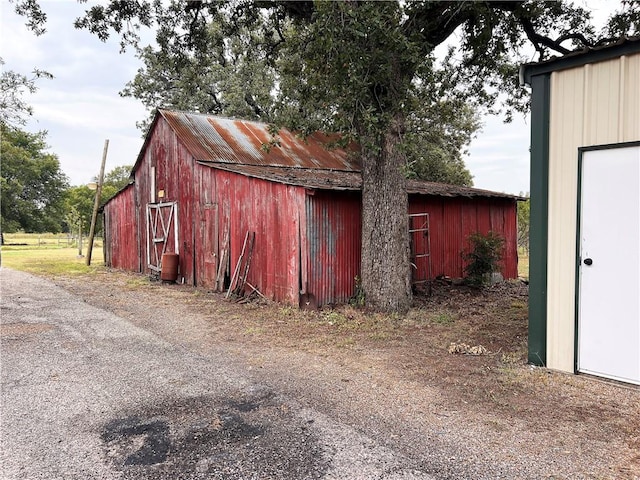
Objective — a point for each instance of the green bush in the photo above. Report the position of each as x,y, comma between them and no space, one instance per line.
483,257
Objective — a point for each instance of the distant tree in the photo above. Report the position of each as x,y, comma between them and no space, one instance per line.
523,224
115,180
79,202
32,184
14,109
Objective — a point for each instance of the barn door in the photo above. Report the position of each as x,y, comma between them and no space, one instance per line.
162,228
209,250
609,264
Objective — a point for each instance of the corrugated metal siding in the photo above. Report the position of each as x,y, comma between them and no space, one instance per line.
121,246
590,105
452,220
334,240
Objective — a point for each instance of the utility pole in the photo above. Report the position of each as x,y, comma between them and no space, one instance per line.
96,203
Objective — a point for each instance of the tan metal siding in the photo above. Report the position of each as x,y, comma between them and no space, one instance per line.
590,105
631,102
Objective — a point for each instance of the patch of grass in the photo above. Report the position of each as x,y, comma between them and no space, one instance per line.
254,331
287,311
136,282
379,336
523,263
512,358
51,261
518,305
346,342
442,318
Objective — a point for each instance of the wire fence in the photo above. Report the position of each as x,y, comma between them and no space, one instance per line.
48,240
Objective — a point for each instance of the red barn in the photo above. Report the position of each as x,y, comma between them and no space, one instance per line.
287,218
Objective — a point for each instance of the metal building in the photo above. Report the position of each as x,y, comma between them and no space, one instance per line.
584,299
283,216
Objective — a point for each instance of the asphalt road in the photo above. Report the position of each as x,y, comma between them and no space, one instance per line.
88,395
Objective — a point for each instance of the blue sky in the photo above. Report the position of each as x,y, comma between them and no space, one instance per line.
81,107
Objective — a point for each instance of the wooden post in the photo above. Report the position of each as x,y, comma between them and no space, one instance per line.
80,238
96,203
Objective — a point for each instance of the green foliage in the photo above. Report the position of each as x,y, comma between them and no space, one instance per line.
436,142
220,69
79,203
524,209
32,183
116,178
13,86
626,21
483,257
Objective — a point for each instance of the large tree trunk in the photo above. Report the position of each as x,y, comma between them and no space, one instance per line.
386,272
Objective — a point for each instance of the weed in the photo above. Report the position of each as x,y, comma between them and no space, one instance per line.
358,298
335,318
483,257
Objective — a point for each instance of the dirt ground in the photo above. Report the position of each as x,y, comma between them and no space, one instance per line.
594,425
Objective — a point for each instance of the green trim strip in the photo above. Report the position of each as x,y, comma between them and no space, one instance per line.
540,118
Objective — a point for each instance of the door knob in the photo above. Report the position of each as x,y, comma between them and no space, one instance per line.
588,261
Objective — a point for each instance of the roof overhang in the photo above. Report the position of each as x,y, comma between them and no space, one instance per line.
323,179
624,46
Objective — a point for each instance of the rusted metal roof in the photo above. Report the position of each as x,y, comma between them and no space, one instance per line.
340,180
223,140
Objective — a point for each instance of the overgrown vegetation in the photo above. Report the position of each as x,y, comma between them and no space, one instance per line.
483,257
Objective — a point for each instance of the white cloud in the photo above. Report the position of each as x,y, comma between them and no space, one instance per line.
80,107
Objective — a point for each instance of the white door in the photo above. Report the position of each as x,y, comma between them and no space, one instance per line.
609,289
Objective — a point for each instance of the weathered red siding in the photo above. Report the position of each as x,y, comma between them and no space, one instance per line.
232,205
121,232
453,219
333,245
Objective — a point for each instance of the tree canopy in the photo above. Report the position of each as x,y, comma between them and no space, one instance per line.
368,71
32,184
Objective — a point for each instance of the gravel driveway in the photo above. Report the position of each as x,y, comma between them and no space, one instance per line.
149,387
87,395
